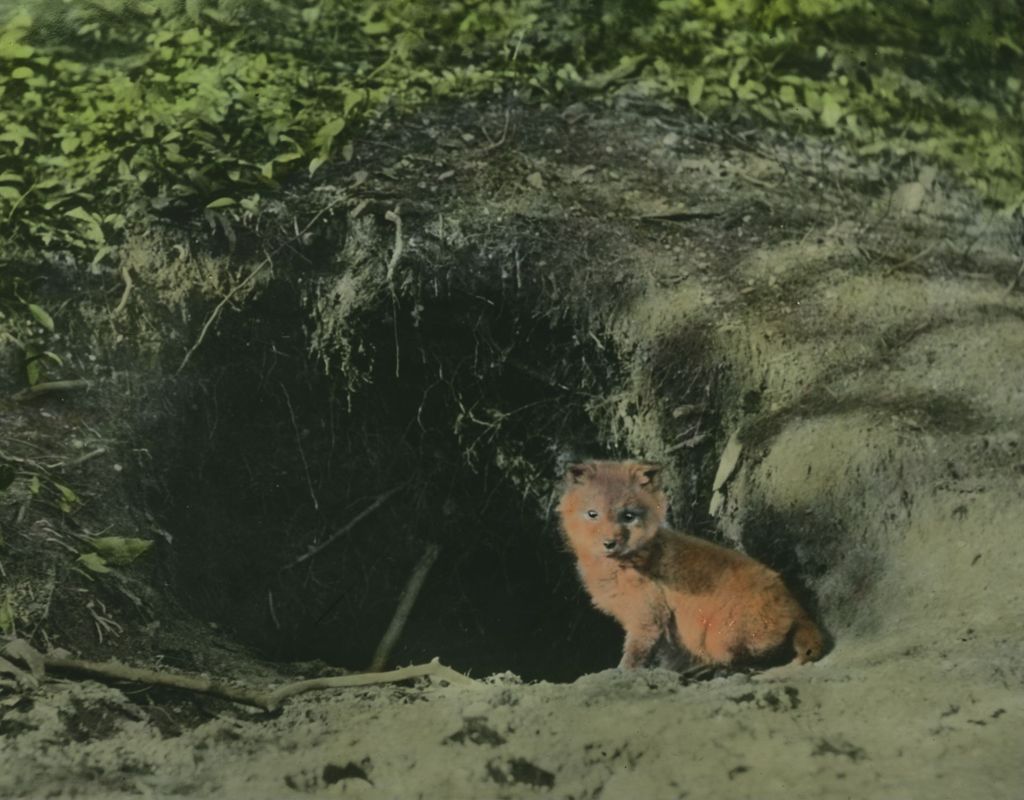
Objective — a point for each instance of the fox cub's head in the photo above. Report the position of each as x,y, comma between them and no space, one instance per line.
611,508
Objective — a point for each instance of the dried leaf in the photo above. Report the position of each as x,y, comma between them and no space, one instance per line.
730,460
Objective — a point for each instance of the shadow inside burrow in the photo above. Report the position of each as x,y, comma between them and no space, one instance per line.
269,456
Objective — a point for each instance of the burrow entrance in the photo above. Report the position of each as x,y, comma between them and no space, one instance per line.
454,440
446,428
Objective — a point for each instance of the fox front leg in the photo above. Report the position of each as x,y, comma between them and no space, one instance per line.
637,649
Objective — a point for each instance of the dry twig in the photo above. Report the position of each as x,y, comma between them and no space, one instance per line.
405,604
50,387
267,700
78,460
344,528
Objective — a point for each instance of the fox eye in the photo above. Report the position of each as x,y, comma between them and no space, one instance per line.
592,514
628,516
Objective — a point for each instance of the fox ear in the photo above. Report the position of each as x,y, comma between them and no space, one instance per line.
646,475
580,473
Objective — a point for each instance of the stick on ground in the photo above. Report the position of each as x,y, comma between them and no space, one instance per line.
405,604
267,700
50,387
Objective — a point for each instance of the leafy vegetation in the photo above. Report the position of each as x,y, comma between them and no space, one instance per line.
116,111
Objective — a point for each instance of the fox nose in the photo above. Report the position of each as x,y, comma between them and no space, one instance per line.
617,542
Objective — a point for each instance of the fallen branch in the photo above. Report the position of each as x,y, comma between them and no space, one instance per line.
266,700
405,604
344,528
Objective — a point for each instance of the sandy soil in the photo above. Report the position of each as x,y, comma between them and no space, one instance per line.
911,719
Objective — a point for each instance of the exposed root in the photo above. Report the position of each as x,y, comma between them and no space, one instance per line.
267,700
126,276
218,308
381,499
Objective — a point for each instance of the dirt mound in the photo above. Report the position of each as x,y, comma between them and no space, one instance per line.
823,351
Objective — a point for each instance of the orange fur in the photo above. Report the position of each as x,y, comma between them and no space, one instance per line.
718,604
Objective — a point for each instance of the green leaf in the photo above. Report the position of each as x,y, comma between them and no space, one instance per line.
41,315
67,497
191,36
10,50
376,28
92,229
327,132
33,484
93,561
695,91
119,550
831,111
217,16
66,493
33,373
17,134
221,202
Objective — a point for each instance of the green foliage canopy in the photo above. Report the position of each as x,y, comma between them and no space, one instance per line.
113,112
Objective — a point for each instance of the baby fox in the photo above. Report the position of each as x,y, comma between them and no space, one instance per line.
720,605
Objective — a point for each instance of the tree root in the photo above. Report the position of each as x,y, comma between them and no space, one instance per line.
39,663
312,551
